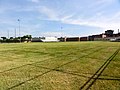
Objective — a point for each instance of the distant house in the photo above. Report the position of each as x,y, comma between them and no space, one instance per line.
109,33
83,38
98,37
116,35
90,38
72,38
104,36
69,39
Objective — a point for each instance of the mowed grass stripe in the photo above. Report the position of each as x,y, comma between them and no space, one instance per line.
110,78
42,75
60,70
26,65
56,50
44,60
37,62
13,69
86,65
51,70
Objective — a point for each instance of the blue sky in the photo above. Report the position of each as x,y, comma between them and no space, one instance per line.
46,17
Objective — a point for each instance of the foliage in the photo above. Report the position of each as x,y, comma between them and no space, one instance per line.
16,39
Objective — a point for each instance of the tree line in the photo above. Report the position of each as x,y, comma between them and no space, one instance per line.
25,38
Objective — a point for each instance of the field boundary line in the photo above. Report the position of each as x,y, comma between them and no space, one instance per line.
99,71
80,75
60,71
23,65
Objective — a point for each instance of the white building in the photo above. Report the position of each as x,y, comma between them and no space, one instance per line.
50,39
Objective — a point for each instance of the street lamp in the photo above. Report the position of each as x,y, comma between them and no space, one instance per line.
62,38
19,29
61,30
8,34
15,32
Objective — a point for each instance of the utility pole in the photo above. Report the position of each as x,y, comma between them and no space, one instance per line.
15,32
62,34
8,34
61,31
19,30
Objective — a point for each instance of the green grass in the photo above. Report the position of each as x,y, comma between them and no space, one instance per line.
58,66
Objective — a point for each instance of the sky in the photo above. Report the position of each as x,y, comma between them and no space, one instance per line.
58,17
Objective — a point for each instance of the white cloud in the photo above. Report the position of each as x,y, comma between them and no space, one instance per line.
99,20
65,15
103,23
35,1
50,13
100,3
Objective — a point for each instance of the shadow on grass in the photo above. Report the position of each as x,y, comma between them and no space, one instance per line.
81,75
96,75
41,61
96,50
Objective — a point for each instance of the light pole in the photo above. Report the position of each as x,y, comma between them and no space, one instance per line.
15,32
19,30
61,33
8,34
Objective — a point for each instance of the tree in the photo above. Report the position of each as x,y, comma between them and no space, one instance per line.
11,38
26,38
3,39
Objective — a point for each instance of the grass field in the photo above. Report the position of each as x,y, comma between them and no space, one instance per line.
60,66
